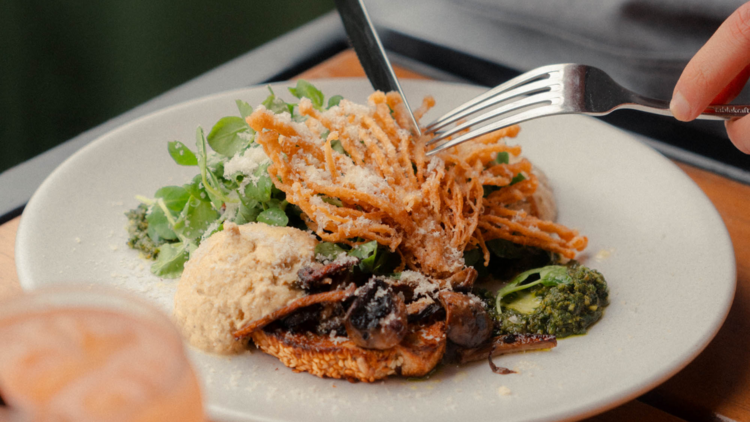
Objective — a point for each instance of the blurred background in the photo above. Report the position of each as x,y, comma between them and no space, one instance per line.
67,66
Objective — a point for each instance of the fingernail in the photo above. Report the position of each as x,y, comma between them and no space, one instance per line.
680,107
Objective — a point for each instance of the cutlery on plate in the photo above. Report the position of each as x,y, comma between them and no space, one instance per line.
370,51
549,91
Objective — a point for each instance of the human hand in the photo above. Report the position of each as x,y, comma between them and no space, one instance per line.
717,74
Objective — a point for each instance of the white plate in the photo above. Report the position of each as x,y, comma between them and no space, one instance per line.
658,240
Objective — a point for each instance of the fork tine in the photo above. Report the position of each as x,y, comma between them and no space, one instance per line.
513,83
549,110
527,89
507,108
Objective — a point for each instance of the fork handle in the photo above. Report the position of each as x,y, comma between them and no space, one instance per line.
712,112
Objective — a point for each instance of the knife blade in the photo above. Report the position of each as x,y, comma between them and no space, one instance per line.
370,51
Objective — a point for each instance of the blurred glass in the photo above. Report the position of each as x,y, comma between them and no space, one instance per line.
82,354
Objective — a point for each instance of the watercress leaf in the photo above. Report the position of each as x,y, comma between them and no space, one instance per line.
174,197
195,218
336,146
273,217
190,247
488,189
517,178
240,219
385,261
502,157
248,212
261,189
158,225
505,249
196,190
245,108
525,302
200,144
306,89
181,154
329,250
226,137
473,257
367,253
553,275
333,201
365,250
277,105
172,258
334,101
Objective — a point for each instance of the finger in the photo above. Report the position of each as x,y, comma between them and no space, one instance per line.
731,91
715,65
739,132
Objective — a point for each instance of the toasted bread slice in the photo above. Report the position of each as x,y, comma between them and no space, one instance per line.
337,357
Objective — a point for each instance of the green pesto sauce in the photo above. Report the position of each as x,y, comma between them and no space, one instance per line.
562,310
138,237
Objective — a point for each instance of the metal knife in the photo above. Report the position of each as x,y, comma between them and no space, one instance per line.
370,51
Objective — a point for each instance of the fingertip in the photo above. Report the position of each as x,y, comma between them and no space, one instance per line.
739,133
680,107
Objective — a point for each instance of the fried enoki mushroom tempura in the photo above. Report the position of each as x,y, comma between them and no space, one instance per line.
358,175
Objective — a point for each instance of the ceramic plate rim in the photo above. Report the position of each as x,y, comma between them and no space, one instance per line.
25,259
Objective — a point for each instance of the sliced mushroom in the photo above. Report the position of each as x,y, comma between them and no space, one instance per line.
510,343
469,324
423,309
324,277
305,301
377,317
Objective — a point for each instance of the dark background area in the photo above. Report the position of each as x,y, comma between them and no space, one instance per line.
66,67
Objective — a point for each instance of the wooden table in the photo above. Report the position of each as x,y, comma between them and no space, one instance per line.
716,386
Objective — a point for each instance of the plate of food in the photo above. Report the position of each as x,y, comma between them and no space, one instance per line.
320,263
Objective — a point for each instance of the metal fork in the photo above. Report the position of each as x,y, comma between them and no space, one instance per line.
553,90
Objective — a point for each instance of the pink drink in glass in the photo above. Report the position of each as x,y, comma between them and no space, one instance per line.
88,355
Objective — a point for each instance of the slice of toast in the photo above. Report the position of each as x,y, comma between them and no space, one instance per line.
339,357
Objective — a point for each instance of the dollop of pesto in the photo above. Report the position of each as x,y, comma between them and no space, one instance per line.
137,227
567,306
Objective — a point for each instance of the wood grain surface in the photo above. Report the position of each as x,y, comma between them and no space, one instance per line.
716,386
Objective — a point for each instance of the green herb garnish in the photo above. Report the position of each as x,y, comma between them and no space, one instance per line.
171,225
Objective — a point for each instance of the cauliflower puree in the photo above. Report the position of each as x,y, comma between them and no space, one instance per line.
237,276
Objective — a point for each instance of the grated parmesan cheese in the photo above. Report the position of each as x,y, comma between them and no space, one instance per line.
245,163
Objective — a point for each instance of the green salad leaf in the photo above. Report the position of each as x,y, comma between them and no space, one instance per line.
551,275
172,224
506,249
273,217
503,157
306,89
245,110
195,219
329,250
172,258
334,101
159,228
277,105
472,257
174,197
375,258
181,154
226,136
262,188
517,178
